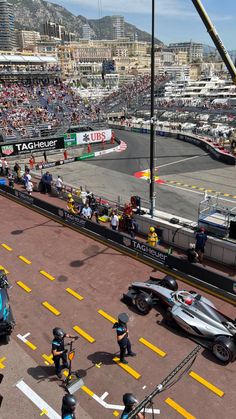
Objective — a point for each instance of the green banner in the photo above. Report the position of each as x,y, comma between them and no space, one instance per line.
70,140
85,156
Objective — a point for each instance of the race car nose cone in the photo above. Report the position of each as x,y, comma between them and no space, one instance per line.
123,317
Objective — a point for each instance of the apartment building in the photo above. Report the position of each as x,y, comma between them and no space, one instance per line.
7,27
194,50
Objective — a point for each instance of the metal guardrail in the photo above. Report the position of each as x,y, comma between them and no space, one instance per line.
221,285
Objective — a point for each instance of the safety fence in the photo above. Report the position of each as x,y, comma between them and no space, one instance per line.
195,274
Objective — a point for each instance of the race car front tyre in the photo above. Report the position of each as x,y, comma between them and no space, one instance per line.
224,349
143,303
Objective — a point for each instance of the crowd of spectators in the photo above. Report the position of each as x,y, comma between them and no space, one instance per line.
36,111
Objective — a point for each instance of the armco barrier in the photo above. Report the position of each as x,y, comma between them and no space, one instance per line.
193,273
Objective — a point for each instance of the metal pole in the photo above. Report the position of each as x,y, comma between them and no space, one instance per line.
162,386
152,127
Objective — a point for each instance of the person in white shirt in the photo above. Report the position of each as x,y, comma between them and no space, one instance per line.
29,187
1,168
59,185
114,221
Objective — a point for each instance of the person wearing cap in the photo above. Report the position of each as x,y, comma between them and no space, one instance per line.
201,238
192,254
123,337
152,237
69,403
130,402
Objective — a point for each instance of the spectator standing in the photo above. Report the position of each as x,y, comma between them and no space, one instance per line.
132,227
114,221
201,238
65,154
46,182
45,156
59,185
192,254
5,167
1,168
29,187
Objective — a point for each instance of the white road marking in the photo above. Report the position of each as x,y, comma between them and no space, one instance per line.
37,400
118,406
180,161
104,395
23,338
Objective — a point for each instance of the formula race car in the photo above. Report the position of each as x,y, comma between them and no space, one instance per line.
7,322
189,312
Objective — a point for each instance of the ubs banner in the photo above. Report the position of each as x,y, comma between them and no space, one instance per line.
24,147
87,137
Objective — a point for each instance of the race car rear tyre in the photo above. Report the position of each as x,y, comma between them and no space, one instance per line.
170,284
143,303
224,349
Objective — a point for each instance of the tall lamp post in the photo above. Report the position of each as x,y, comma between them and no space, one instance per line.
152,119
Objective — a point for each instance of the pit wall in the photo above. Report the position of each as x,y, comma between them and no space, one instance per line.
179,236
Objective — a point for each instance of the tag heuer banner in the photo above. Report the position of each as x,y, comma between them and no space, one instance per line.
32,146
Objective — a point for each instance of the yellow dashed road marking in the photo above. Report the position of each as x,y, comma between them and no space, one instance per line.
128,369
199,189
1,363
48,359
82,333
74,293
28,262
44,412
5,270
47,275
87,390
22,285
115,413
179,409
107,316
206,383
6,247
31,345
152,347
51,308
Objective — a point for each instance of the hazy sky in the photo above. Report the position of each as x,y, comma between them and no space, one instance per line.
176,20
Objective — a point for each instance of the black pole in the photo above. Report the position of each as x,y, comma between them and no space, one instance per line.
152,127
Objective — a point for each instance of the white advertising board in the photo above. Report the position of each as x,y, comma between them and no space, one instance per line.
93,136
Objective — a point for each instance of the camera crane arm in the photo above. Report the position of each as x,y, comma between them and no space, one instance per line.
162,386
215,38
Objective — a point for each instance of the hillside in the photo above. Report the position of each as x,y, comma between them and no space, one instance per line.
31,14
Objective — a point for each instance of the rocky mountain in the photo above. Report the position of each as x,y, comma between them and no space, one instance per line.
31,14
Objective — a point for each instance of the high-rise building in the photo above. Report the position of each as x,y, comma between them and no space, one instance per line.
118,25
7,34
87,33
27,39
57,31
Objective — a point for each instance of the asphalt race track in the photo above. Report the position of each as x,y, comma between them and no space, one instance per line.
186,169
62,278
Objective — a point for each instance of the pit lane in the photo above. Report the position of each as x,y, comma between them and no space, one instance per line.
49,259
